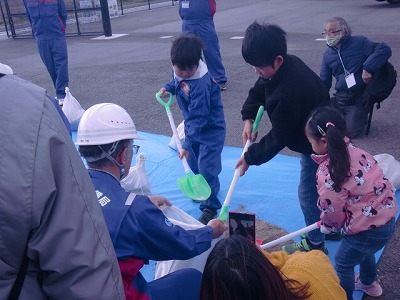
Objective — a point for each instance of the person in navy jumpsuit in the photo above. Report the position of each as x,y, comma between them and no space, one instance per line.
198,18
48,20
199,99
139,230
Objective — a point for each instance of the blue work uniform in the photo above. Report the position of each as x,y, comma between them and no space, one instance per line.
140,232
199,99
198,17
48,19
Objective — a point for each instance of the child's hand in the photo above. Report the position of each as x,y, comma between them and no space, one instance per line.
183,153
164,92
247,132
242,164
324,230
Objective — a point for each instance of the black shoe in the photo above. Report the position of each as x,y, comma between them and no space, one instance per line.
207,215
222,86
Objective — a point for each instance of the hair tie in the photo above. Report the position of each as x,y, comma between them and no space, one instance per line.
329,124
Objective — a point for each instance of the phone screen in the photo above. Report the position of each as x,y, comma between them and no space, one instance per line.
243,224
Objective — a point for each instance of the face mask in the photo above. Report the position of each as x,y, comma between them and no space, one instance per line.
332,41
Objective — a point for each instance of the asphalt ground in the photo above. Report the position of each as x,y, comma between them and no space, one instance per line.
129,70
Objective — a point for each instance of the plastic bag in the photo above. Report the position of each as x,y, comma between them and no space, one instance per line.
181,133
390,167
180,218
137,181
71,107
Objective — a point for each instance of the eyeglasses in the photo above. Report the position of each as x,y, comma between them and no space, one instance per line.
330,33
135,149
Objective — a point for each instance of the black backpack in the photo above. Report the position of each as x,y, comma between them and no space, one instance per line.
382,84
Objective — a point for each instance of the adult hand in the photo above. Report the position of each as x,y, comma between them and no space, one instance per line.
218,227
366,77
183,153
159,200
242,164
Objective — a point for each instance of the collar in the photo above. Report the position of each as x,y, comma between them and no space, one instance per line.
200,72
272,82
102,171
319,159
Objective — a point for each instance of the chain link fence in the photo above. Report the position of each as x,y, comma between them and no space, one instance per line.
84,16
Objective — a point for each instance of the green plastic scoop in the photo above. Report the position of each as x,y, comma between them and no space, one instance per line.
192,186
223,215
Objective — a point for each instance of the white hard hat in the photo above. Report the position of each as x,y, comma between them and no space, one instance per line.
105,123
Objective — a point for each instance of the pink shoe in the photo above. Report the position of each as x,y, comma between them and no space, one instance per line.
373,290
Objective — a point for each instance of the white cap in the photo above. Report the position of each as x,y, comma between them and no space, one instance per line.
105,123
5,69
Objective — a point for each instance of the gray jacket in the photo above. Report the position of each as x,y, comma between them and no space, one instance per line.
45,189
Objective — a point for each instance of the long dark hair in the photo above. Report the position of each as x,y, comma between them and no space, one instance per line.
328,122
236,269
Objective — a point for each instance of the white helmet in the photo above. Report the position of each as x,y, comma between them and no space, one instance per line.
105,123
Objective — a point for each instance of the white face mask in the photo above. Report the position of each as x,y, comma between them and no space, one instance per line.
332,41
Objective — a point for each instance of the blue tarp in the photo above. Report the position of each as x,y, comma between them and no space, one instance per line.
269,190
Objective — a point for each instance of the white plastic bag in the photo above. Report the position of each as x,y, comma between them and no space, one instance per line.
390,167
181,134
137,181
182,219
71,107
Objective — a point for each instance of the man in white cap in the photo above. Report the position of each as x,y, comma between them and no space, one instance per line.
138,228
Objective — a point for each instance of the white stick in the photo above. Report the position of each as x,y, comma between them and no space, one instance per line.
178,142
292,235
235,178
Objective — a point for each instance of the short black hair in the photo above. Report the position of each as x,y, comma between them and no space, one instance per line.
262,43
93,151
186,50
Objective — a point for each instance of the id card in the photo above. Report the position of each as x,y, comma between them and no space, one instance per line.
350,80
185,4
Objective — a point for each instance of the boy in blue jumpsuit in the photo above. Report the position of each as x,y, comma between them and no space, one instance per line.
199,99
197,17
48,19
139,230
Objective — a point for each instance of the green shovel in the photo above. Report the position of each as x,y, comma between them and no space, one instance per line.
193,186
223,215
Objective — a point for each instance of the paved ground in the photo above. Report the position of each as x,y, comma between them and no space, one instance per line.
129,70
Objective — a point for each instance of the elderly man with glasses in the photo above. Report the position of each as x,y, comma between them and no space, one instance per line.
139,230
352,60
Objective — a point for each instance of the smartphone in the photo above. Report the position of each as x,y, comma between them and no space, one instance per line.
243,224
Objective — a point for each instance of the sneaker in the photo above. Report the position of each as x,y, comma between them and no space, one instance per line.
334,236
222,86
207,215
304,246
373,290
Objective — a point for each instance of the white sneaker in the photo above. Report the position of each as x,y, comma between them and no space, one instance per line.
373,290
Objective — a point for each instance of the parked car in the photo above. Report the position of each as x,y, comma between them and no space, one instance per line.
390,1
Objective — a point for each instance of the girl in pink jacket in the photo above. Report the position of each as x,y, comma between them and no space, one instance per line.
354,195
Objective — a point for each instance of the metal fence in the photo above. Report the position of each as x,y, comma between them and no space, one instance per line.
84,16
